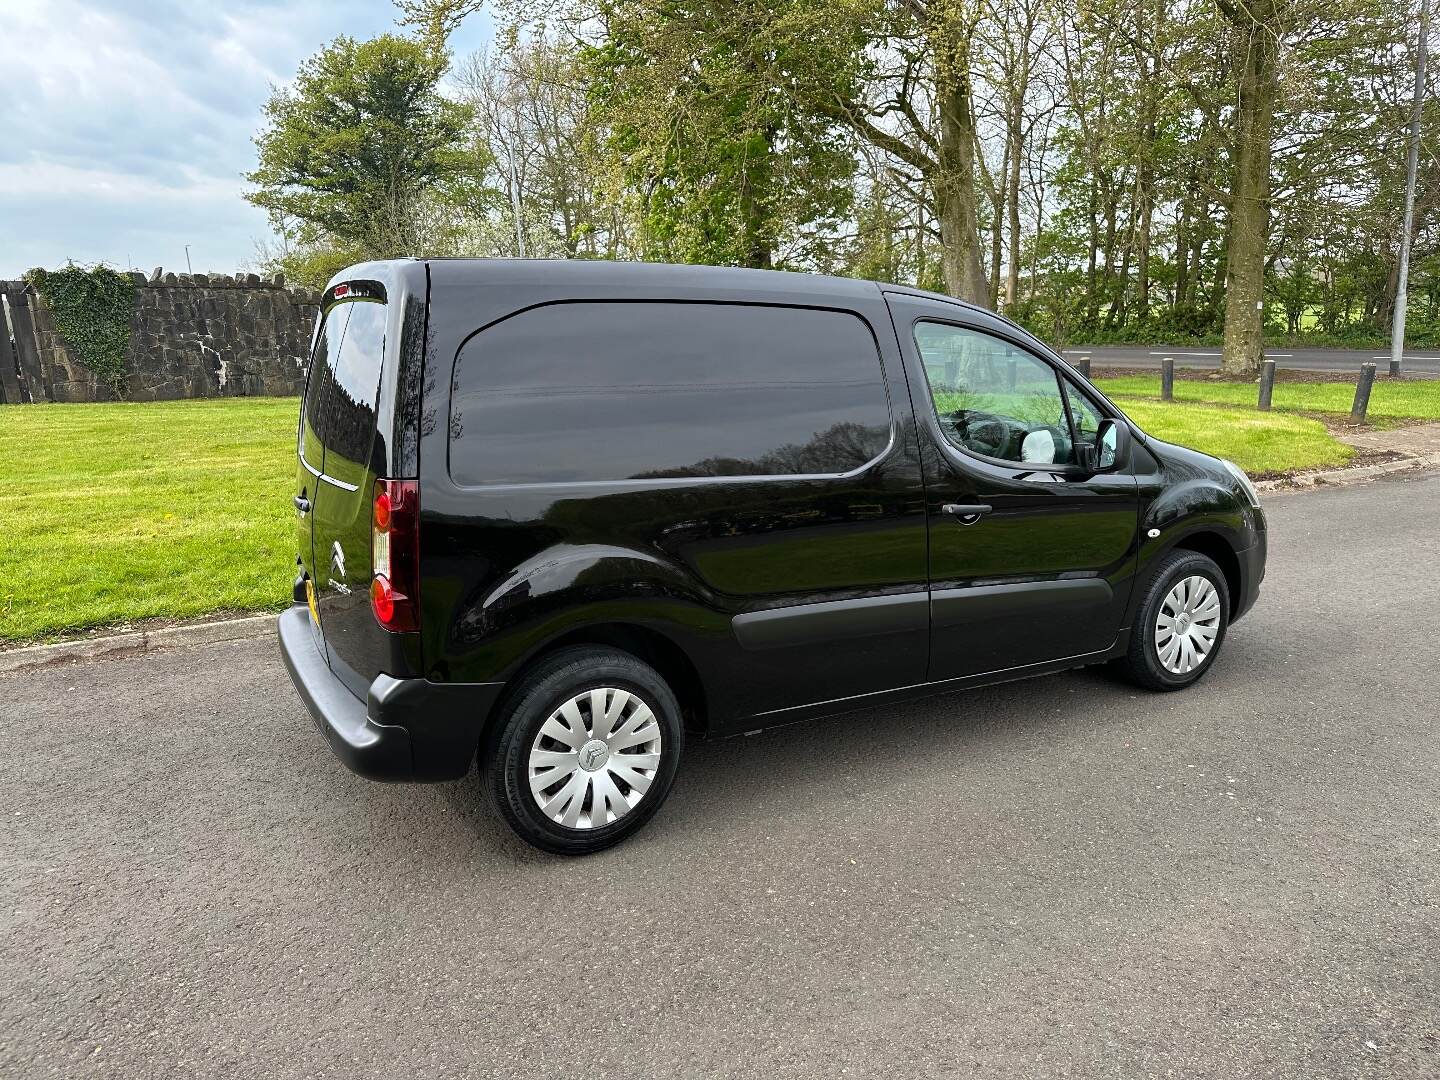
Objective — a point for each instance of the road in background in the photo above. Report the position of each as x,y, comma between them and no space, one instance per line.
1418,361
1066,877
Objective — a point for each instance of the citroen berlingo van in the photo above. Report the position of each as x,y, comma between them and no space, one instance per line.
557,518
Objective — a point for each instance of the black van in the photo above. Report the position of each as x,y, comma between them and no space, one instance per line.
563,516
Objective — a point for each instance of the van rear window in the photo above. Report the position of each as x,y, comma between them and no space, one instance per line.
611,391
327,341
348,374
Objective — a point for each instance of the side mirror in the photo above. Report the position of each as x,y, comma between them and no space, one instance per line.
1112,440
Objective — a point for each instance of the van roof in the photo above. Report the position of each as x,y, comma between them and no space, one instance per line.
603,273
597,271
622,274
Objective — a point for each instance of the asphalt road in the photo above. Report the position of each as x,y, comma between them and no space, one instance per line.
1416,361
1059,878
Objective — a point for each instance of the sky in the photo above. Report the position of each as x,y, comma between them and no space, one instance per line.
126,126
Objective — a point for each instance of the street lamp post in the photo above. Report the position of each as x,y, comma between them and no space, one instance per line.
1397,325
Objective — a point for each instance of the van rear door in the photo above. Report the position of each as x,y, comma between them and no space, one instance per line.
343,506
310,457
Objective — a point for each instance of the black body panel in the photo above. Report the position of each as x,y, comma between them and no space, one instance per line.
1189,500
512,568
1044,574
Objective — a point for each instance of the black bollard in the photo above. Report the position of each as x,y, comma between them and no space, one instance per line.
1167,379
1267,384
1082,365
1362,394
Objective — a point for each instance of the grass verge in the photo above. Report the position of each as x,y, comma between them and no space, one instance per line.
1417,399
1263,444
130,511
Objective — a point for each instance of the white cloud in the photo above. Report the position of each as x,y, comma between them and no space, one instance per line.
55,180
129,131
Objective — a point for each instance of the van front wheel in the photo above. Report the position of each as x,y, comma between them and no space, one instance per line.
1181,623
586,751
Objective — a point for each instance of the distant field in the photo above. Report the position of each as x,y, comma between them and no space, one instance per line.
127,511
121,512
1417,399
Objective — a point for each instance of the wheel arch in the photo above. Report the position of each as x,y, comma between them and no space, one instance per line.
644,643
1217,549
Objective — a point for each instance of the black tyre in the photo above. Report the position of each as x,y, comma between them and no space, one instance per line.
1180,624
585,750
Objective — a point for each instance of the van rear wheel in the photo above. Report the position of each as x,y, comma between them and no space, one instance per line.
586,750
1181,623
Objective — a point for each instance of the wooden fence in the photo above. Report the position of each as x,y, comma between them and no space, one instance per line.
21,376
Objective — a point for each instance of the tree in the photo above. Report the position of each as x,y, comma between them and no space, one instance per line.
1299,60
1257,30
1015,36
436,20
716,161
909,95
364,156
536,117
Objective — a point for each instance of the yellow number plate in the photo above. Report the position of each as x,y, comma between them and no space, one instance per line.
310,599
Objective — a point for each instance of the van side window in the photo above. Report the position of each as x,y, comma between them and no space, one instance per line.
994,399
612,391
1086,416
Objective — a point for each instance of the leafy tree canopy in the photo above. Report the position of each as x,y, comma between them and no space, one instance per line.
698,99
359,151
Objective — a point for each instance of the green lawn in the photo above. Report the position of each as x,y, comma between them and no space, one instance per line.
126,511
1263,444
174,509
1417,399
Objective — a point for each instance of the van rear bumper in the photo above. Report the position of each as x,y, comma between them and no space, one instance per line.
405,730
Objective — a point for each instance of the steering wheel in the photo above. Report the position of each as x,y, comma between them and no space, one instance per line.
982,432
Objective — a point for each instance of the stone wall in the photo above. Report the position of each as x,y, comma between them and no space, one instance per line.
191,336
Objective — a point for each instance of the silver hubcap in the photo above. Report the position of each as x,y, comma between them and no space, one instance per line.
1188,624
595,758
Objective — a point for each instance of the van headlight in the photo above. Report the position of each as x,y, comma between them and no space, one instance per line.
1245,481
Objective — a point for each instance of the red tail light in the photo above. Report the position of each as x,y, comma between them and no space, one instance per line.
395,591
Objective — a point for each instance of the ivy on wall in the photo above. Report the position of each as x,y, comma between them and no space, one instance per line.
92,312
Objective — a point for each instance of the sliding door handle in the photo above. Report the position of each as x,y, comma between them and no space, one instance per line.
966,513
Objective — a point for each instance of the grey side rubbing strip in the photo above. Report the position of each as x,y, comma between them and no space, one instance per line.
806,624
1067,596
